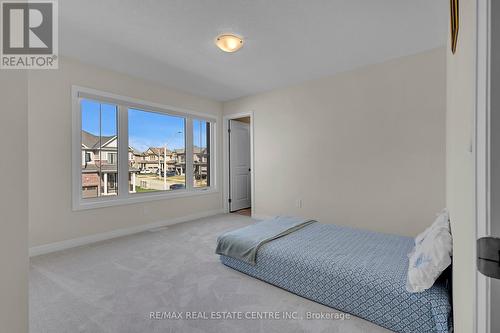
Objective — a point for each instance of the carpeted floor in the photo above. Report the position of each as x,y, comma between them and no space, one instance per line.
112,286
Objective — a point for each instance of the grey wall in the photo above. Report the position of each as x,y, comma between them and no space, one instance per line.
364,148
14,201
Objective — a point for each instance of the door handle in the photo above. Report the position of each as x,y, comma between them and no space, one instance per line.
488,256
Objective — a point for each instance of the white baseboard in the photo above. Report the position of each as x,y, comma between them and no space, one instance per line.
70,243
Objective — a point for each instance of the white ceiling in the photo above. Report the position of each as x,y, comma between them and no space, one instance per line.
286,41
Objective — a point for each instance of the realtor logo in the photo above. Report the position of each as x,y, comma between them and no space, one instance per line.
29,35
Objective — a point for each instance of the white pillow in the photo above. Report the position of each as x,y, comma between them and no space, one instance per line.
442,218
430,256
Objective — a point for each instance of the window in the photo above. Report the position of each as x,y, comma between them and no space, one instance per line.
99,140
111,158
126,151
162,138
201,153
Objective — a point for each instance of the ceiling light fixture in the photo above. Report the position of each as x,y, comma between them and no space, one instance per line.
229,42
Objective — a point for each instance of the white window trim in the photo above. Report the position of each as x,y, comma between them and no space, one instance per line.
124,197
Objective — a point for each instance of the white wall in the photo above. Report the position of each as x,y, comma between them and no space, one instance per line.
51,216
459,165
14,202
364,148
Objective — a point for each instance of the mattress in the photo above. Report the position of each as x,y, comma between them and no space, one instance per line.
355,271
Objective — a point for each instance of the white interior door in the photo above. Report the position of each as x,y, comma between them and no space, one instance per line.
495,155
239,166
488,166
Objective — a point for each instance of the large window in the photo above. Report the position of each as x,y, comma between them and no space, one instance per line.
99,147
128,151
160,138
201,153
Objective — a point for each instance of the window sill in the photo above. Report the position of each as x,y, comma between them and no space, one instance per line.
134,198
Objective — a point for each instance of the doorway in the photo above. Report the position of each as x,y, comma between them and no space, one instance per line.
239,175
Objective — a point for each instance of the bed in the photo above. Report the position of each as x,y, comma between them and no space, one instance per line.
359,272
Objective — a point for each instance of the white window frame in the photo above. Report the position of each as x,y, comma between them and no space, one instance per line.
124,103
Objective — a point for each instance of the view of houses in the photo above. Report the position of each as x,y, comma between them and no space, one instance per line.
156,169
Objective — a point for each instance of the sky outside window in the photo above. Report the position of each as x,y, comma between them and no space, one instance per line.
150,129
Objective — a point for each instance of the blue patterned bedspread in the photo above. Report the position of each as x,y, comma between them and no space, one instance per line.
359,272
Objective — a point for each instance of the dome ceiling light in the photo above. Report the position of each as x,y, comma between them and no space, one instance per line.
229,43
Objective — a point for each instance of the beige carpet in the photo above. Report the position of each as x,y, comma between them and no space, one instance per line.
113,286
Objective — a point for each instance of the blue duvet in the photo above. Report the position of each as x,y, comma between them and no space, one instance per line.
351,270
